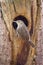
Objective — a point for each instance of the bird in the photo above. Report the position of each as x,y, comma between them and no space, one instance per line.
22,31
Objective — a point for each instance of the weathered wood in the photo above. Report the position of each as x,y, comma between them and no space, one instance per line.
5,44
28,9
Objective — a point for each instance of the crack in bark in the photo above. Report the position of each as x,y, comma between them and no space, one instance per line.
14,7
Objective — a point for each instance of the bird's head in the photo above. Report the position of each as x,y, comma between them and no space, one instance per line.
17,24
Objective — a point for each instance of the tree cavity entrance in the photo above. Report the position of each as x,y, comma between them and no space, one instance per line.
20,17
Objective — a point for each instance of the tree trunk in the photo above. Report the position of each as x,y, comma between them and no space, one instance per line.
14,10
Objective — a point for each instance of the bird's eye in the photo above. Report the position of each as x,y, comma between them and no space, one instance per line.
15,25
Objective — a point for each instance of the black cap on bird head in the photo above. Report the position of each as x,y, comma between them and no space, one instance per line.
15,25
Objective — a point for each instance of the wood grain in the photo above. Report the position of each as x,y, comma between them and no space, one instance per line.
27,8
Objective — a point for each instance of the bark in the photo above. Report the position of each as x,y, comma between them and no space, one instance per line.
5,44
29,9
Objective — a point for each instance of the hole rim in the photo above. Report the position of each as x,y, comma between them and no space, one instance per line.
23,18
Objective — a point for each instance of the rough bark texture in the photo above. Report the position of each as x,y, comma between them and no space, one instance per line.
39,48
29,9
5,44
